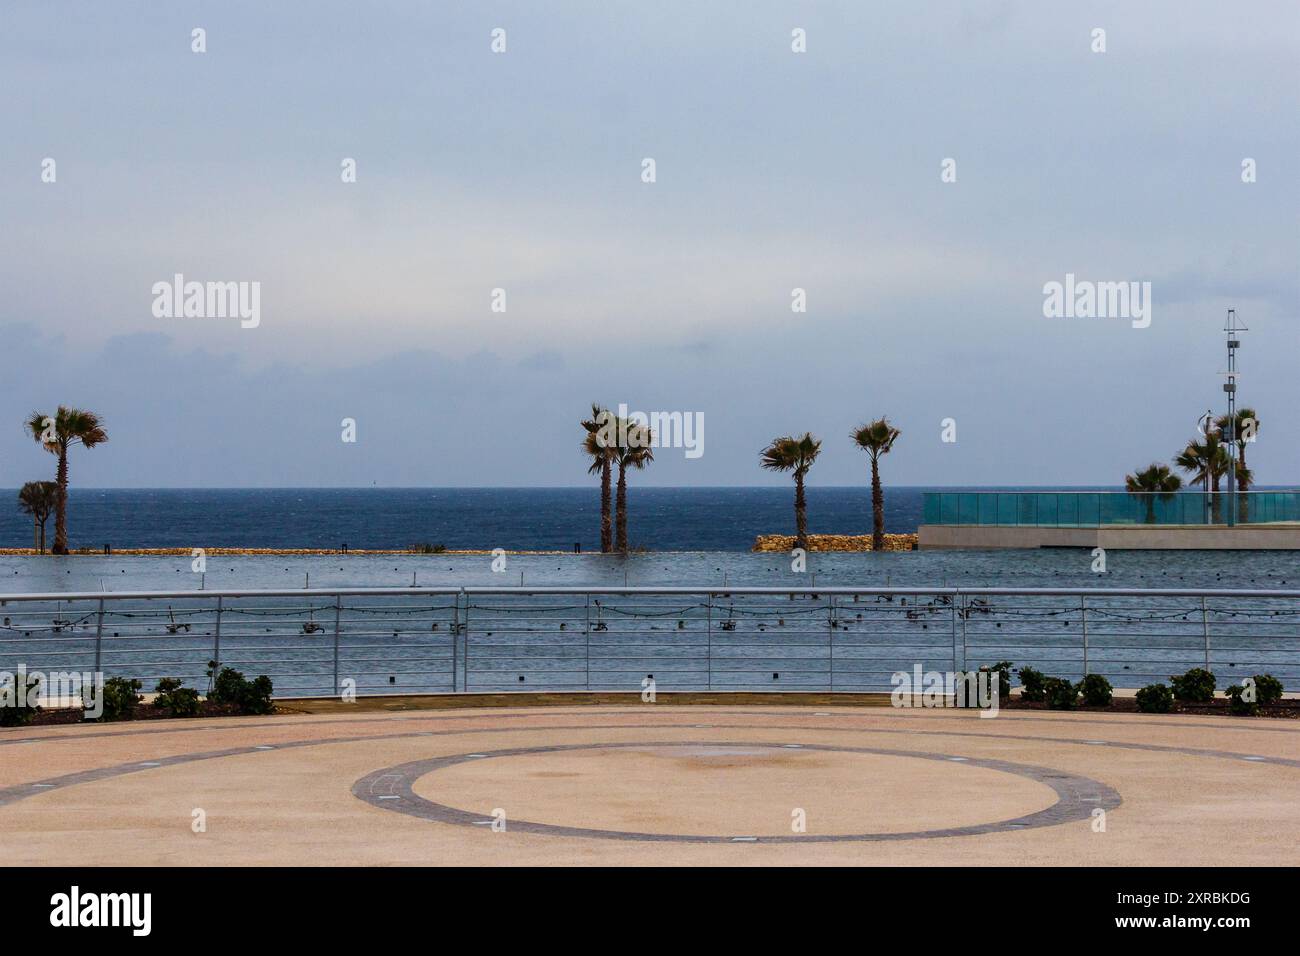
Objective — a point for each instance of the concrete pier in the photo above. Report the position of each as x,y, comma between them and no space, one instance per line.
1259,537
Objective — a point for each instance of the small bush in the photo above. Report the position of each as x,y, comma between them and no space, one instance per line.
18,704
177,700
1031,684
1246,699
249,696
1268,689
1196,686
1003,669
1060,693
425,547
1155,699
257,696
120,695
1096,691
1239,701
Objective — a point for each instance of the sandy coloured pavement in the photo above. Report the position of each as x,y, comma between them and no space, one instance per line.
653,784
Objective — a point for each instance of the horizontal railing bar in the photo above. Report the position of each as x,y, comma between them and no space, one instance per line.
713,592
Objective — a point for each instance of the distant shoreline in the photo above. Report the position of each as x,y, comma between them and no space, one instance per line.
189,552
764,543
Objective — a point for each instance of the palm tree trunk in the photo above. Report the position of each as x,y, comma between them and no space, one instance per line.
800,514
36,525
61,506
43,537
1151,507
877,508
1243,487
606,523
621,504
1216,505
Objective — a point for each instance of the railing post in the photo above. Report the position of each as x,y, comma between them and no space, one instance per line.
1205,629
464,684
216,642
99,638
1083,617
952,609
830,641
338,600
455,638
586,631
708,629
964,650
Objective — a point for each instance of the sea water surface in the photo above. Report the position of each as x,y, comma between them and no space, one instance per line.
533,519
1041,568
692,537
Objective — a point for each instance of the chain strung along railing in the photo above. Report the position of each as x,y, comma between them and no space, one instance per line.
315,642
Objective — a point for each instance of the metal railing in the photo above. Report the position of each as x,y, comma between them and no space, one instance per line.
321,642
1090,509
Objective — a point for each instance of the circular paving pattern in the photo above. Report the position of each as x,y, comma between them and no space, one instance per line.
393,788
650,785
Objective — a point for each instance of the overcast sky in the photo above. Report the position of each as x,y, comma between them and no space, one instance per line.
522,171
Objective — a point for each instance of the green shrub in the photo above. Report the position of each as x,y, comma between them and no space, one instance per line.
1060,693
250,697
1246,699
1239,701
1196,686
257,696
1003,669
176,699
1155,699
1031,684
14,713
1096,690
1268,689
227,686
120,695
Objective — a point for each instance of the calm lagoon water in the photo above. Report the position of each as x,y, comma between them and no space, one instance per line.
1037,568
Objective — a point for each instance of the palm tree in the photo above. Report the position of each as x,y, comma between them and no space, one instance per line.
1246,420
632,450
1154,479
876,439
602,454
56,434
37,498
794,454
1208,461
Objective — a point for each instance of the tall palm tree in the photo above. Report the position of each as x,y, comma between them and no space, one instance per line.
1154,479
1246,419
632,451
876,439
37,498
56,434
602,453
797,455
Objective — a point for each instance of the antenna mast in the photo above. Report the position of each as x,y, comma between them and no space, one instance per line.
1230,387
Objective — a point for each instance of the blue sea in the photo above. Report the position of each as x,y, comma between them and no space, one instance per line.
532,519
691,536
